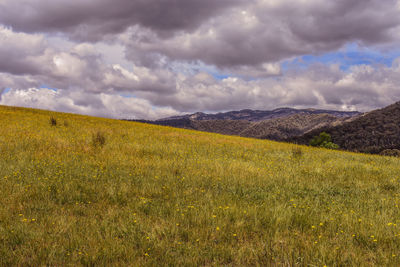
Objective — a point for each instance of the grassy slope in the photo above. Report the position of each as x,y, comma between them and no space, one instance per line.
162,196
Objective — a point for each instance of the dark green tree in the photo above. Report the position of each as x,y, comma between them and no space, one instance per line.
323,140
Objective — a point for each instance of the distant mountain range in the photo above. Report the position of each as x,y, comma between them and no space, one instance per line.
260,115
279,124
373,132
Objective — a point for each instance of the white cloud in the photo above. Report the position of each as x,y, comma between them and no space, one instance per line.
105,105
97,52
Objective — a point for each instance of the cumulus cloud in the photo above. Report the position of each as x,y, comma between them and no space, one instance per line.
13,81
85,83
175,50
105,105
320,86
362,87
32,59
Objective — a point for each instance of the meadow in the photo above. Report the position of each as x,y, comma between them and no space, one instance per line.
98,192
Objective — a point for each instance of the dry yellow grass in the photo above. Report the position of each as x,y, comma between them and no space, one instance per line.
153,196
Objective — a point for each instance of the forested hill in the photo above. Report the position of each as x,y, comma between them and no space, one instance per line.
372,132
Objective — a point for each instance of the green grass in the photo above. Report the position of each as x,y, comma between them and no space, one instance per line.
155,196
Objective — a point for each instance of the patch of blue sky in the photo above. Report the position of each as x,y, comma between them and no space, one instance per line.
219,76
6,90
44,86
192,68
128,95
350,55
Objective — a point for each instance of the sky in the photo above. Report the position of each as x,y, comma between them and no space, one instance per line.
149,59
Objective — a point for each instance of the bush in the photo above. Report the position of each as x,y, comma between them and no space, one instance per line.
53,121
323,140
329,145
98,139
297,153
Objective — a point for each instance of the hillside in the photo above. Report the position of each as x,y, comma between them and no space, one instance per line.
372,132
85,191
281,125
294,125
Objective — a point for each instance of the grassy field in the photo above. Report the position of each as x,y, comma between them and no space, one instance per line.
146,195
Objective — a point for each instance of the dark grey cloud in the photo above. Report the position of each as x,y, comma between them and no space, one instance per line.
93,19
337,21
269,31
237,36
18,52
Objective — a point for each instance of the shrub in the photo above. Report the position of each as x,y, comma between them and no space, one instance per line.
323,140
53,121
297,153
98,139
329,145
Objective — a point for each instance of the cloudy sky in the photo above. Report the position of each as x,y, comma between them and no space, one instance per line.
148,59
